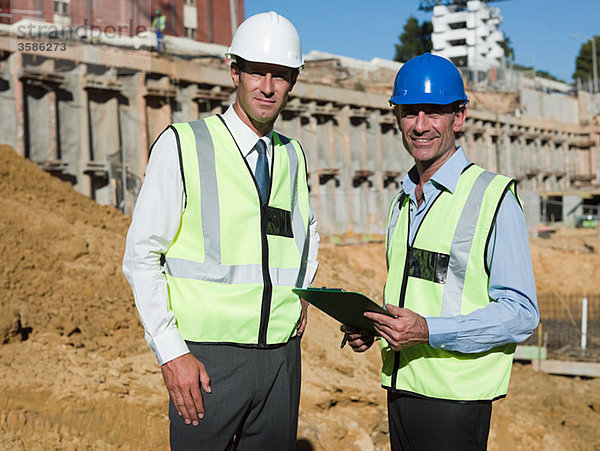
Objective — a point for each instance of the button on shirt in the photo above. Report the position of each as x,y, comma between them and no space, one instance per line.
514,314
155,223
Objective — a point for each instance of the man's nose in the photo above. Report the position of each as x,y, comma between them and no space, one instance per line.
267,85
422,122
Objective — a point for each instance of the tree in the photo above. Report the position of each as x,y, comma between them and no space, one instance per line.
415,40
509,53
583,64
538,73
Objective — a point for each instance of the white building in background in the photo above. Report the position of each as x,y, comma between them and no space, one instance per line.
469,35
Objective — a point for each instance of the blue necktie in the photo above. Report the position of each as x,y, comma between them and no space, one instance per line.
263,178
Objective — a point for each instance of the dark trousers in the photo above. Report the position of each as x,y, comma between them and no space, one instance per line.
254,400
421,424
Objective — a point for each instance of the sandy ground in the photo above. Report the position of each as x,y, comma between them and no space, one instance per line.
75,372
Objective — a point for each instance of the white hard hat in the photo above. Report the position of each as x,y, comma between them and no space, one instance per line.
267,38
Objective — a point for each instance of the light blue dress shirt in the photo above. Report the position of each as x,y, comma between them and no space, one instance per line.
514,314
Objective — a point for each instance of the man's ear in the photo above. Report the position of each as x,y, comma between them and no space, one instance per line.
459,119
235,74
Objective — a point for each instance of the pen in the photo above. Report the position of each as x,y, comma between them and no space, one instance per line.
344,341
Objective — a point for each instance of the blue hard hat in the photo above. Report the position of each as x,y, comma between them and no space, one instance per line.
428,78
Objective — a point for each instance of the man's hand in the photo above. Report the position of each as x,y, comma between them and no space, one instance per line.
406,329
358,339
301,326
183,377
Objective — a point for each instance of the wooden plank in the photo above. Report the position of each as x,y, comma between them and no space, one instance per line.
586,369
526,352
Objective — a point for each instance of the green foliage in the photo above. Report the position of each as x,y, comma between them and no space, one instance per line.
583,63
414,40
509,53
547,75
539,73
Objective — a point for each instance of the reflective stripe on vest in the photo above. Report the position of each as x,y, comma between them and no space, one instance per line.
461,246
229,268
231,274
443,274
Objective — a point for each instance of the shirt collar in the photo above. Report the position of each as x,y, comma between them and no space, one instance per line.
242,134
445,177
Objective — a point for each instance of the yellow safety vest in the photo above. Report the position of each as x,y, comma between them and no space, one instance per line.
233,262
159,23
443,274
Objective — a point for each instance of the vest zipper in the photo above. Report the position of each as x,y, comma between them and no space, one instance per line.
265,313
268,285
405,282
401,302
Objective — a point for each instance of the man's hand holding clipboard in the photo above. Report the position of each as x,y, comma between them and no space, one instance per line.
362,319
347,307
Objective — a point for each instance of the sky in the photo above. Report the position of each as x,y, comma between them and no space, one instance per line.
546,34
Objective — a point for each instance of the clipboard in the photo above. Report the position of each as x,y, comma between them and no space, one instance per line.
345,306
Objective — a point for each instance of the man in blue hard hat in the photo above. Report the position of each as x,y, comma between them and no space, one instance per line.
460,289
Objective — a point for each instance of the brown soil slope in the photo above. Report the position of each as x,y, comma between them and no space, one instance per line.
75,371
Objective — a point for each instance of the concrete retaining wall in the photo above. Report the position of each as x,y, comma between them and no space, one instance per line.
77,113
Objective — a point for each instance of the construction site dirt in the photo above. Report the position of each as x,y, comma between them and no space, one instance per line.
75,371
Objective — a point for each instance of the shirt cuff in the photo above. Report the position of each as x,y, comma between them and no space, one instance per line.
311,272
169,346
443,332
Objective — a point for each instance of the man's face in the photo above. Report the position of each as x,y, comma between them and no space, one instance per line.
428,130
262,91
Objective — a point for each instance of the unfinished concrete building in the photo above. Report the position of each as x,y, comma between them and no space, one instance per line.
468,34
78,113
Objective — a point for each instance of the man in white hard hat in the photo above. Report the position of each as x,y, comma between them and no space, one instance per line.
221,233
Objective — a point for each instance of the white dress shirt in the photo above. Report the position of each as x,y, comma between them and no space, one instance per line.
154,224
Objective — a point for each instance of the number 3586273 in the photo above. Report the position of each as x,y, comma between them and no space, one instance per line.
41,46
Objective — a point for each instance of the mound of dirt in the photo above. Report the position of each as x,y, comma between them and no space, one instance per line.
60,271
568,262
75,371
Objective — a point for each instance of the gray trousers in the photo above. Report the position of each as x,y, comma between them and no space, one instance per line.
254,400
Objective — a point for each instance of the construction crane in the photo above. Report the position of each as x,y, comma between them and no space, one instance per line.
427,5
